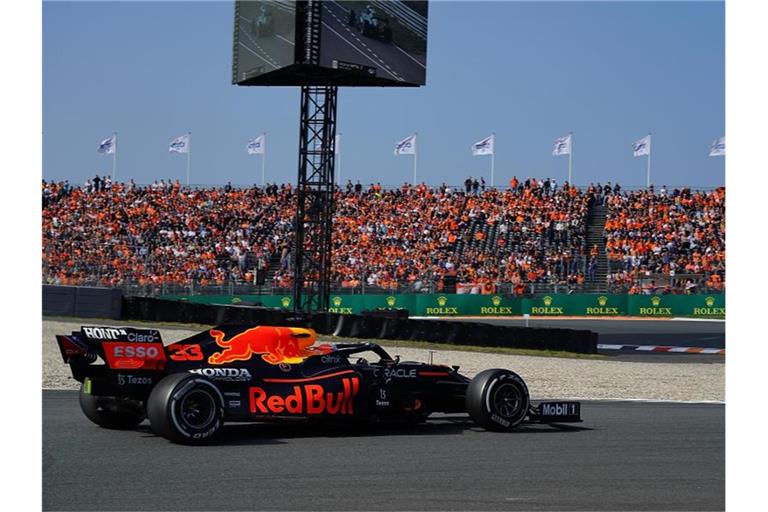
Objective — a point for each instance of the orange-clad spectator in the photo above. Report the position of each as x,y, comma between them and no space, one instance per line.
667,234
533,233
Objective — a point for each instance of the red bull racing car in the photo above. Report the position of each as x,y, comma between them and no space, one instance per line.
230,373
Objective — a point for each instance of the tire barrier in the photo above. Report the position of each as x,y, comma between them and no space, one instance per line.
372,325
399,313
342,326
82,301
325,323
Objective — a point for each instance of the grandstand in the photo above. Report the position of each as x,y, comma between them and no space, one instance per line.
523,240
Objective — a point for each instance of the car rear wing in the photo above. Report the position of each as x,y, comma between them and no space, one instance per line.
85,345
129,334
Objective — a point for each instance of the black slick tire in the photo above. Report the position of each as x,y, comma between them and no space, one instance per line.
497,400
111,412
186,408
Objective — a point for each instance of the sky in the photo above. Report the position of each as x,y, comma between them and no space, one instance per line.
610,72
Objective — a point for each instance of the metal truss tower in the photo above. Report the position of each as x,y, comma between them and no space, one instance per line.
314,211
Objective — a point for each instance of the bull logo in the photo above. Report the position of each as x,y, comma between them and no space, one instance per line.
285,302
709,301
602,300
442,301
655,300
337,301
276,345
496,300
547,300
391,301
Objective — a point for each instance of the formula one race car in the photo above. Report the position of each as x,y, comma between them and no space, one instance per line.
190,388
263,25
370,24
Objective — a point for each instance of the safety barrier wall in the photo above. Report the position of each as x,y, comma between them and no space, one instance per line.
373,325
82,301
498,305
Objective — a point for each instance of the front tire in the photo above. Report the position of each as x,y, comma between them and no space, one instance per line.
497,400
186,408
111,412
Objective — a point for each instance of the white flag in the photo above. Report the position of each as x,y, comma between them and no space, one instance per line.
337,145
642,147
180,144
562,146
718,147
407,146
483,147
108,146
256,146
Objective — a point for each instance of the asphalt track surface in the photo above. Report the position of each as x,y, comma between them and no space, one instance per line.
342,42
681,333
269,52
678,333
624,456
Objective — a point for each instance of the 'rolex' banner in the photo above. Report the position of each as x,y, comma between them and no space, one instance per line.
553,305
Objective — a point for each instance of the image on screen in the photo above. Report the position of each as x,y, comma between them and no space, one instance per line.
379,39
264,40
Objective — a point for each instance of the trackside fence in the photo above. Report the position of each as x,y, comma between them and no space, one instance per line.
702,306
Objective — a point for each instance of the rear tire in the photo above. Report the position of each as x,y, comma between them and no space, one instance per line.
111,412
186,408
497,400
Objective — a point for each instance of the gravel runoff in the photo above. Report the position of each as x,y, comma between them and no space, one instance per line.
547,377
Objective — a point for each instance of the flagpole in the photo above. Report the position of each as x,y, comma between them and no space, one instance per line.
415,153
263,158
114,159
493,157
338,158
570,160
189,153
648,171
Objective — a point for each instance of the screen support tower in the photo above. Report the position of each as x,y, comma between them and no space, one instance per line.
314,209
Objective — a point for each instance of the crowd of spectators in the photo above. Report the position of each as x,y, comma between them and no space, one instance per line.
161,233
666,239
531,233
412,234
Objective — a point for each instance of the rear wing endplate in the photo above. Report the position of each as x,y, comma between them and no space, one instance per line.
129,334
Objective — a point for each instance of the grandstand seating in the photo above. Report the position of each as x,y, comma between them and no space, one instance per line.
519,240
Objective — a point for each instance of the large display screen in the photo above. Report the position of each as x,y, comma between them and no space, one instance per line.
374,43
265,35
385,39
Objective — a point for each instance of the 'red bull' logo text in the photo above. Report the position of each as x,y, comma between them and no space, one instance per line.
306,399
275,344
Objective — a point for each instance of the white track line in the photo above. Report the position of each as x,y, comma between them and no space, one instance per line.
337,4
267,55
341,22
643,400
570,318
286,40
257,55
410,56
378,64
683,319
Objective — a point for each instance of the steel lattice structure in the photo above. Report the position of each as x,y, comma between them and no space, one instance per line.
314,211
